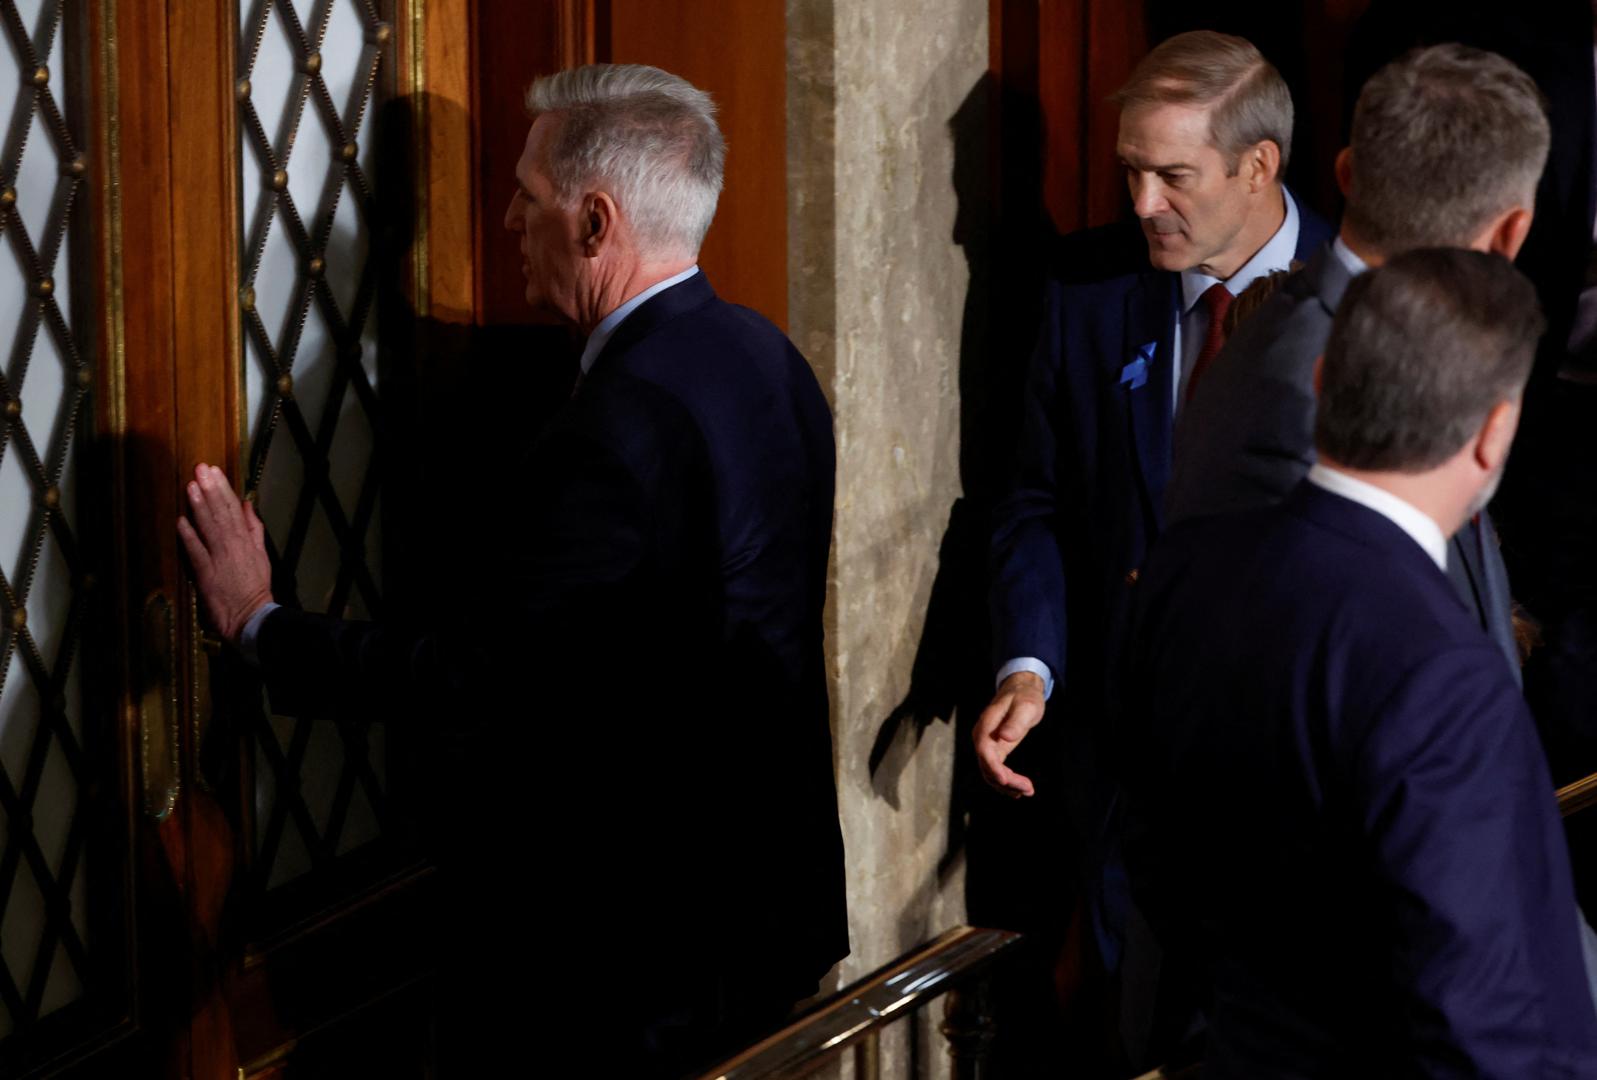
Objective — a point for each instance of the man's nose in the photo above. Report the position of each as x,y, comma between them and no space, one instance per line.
1147,198
512,219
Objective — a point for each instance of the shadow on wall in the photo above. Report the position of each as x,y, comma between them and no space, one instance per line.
1018,855
459,407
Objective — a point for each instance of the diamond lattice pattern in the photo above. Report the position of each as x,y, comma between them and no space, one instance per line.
308,75
44,389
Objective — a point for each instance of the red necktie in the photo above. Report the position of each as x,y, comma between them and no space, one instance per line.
1217,298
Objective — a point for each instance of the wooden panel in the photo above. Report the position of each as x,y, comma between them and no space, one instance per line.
1070,56
1062,64
1117,38
450,210
736,52
515,43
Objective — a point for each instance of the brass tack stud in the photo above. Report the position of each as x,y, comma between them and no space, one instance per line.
348,151
8,197
85,377
313,63
246,299
1132,575
381,33
51,498
285,385
76,167
41,75
45,287
315,267
19,619
280,180
13,409
241,89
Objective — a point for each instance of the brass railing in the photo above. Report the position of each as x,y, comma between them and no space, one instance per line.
957,963
1573,798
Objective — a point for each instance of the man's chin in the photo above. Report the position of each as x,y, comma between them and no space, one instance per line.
1168,257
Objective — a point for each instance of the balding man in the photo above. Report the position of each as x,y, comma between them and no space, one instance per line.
659,624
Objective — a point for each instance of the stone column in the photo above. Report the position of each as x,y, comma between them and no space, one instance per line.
877,302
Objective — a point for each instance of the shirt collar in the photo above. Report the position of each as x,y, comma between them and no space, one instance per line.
1420,526
1276,254
1344,254
607,326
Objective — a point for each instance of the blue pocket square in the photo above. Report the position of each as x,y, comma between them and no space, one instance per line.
1136,372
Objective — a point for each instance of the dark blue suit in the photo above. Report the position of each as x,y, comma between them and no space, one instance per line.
1340,821
645,685
1087,500
1094,454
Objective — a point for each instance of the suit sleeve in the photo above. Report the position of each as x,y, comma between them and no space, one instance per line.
567,561
1027,597
1457,807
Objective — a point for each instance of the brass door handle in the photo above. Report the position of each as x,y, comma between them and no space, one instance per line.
158,709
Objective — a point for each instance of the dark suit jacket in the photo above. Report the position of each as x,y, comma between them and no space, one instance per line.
1094,456
645,687
1247,436
1340,821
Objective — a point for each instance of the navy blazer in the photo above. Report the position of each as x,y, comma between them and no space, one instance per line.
1340,822
1094,454
1247,437
647,674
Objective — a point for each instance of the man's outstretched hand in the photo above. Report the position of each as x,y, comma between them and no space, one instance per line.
1014,710
227,547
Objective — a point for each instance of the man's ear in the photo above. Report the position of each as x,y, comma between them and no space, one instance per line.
1263,164
1319,375
1506,235
1496,435
599,217
1344,170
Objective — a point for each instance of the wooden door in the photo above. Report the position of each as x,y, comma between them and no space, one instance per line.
208,227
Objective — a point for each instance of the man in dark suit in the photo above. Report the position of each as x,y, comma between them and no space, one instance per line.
1131,318
659,623
1341,823
1446,111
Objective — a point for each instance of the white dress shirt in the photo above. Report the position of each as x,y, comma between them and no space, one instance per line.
1420,526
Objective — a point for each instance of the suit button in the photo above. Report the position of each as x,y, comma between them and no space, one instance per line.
1131,576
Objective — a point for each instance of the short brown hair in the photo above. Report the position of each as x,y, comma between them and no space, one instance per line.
1444,139
1247,98
1421,349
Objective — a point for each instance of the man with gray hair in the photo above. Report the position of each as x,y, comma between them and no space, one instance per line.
1447,146
658,628
1340,821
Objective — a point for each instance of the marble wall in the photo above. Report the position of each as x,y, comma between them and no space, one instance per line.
878,302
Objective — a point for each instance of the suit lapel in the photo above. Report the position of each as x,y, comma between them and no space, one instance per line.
1482,580
1150,320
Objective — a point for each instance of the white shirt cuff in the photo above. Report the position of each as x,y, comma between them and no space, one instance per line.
1026,663
252,630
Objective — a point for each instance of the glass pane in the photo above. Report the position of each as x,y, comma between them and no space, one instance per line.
311,67
44,937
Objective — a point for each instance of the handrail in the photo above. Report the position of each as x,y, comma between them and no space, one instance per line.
1573,798
885,995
